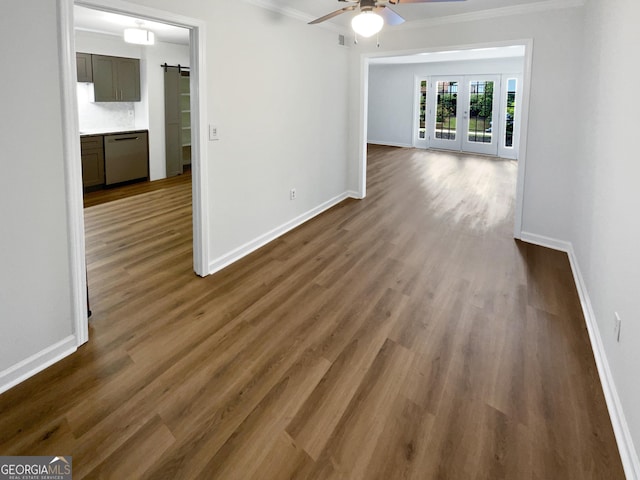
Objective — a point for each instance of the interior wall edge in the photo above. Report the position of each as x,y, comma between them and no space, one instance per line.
355,195
73,172
626,448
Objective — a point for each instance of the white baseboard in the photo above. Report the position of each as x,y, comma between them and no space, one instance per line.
36,363
244,250
547,242
390,144
354,194
628,453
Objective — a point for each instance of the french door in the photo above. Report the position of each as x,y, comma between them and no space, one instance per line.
445,114
481,114
460,113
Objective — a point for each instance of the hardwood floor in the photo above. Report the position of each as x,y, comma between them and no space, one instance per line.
109,194
406,335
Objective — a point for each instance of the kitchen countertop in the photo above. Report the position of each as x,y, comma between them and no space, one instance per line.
110,131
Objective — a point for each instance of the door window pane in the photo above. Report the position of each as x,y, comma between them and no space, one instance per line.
422,129
480,111
512,84
446,110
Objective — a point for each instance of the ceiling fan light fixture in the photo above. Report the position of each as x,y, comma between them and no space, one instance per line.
367,23
139,36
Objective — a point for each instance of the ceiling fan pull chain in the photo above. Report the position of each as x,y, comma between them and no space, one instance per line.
378,40
355,38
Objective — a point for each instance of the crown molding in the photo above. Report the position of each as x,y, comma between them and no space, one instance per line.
293,13
524,9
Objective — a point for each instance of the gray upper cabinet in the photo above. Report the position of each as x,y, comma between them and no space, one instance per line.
129,79
116,79
83,65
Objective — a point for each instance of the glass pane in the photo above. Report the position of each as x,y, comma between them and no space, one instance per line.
422,130
511,110
446,110
480,111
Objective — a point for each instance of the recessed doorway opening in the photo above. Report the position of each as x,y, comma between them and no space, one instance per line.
196,33
471,98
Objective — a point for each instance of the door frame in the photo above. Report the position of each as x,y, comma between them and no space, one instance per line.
71,144
363,86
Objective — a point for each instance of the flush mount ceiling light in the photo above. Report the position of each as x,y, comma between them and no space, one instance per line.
367,23
139,36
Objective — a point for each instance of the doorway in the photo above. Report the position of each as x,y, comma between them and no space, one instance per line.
416,132
199,187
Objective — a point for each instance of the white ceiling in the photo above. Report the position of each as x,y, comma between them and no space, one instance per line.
88,19
114,24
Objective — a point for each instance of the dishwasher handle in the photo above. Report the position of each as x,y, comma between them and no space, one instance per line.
120,139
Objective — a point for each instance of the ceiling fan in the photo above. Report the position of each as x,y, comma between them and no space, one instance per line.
373,14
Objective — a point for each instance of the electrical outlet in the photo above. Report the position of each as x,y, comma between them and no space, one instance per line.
292,194
617,326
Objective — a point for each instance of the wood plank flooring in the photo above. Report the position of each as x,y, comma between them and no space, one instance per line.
109,194
404,336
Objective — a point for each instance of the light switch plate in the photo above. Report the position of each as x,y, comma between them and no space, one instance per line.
213,133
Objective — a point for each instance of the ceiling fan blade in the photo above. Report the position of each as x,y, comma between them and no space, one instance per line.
333,14
395,2
390,17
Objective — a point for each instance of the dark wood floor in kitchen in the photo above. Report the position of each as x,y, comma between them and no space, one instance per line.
406,335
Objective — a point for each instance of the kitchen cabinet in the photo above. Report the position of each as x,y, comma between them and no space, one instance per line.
116,79
84,68
92,153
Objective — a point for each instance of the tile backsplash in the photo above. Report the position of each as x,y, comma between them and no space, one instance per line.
103,115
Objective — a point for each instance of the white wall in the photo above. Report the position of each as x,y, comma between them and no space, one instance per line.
392,91
557,37
278,95
35,298
606,229
148,114
391,105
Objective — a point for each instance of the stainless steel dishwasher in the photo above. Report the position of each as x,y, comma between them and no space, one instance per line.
126,157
